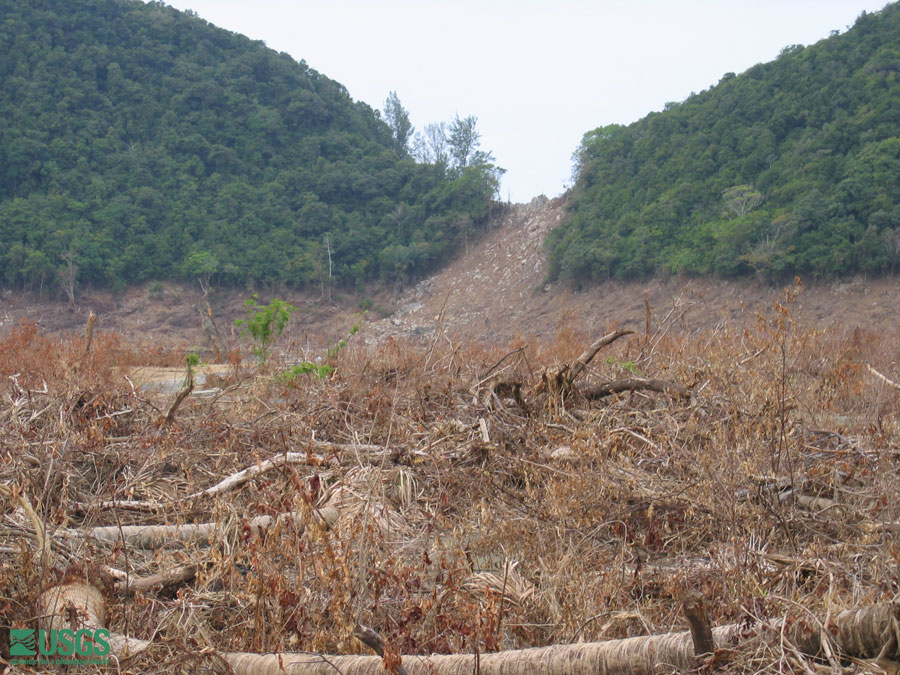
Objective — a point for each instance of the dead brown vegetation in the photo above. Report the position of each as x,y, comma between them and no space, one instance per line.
463,499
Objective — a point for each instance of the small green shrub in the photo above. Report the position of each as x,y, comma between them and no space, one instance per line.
320,370
627,365
264,323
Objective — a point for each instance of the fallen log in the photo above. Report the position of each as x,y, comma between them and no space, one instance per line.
78,605
236,479
635,384
155,582
862,632
156,536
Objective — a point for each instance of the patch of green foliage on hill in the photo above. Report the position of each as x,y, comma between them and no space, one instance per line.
792,167
139,142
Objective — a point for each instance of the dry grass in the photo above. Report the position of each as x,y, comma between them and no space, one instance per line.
479,523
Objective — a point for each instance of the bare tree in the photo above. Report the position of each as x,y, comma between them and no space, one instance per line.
431,148
892,244
68,275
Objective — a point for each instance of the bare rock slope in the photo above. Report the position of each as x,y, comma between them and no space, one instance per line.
493,289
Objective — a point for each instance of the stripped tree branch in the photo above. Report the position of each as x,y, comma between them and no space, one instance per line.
155,536
155,582
587,356
183,394
882,377
635,384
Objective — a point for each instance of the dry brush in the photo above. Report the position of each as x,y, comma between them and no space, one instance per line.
465,502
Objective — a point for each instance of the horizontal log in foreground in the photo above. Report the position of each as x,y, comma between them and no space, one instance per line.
862,633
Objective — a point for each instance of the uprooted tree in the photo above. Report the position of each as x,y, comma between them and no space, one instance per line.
558,382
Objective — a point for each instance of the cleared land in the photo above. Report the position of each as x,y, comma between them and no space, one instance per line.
462,484
459,498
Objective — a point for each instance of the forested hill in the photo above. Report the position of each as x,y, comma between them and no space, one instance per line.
790,167
137,142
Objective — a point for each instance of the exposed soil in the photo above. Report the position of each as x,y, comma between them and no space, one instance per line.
498,291
173,316
494,292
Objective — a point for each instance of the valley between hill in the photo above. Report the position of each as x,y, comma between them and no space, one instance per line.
492,293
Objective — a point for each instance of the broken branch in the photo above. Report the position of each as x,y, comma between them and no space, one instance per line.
155,536
635,384
587,356
155,582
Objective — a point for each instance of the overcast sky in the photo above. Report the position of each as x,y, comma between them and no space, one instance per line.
536,74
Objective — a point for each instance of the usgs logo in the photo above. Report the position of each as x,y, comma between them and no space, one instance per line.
28,646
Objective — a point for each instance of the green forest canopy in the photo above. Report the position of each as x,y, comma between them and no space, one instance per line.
791,167
140,142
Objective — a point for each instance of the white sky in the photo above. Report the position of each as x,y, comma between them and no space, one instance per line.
536,74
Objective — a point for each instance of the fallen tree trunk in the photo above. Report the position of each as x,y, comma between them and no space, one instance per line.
635,384
154,582
862,632
77,605
155,536
630,656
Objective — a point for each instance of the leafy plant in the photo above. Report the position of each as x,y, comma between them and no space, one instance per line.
320,370
193,359
264,323
335,349
626,365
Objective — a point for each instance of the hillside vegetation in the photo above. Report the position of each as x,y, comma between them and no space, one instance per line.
139,142
790,167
